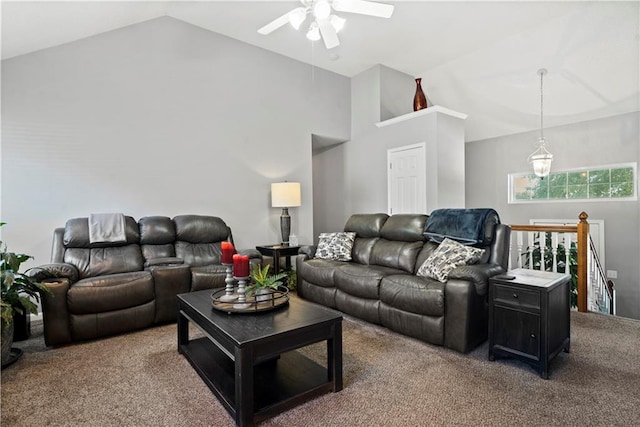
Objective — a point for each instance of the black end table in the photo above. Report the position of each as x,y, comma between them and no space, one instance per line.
277,251
248,360
529,316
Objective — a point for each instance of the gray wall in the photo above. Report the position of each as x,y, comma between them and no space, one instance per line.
160,118
353,175
597,142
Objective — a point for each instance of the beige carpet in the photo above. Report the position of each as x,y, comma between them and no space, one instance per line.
139,379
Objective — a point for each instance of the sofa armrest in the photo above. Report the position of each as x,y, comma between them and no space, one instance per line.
163,261
308,250
466,306
55,312
253,254
169,281
478,274
56,270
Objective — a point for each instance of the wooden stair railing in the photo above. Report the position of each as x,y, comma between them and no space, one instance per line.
581,229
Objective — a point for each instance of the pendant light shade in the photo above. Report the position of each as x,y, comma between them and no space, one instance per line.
541,158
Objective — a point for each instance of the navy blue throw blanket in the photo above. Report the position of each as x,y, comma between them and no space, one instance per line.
463,225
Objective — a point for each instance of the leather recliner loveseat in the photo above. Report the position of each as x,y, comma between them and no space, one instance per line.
379,284
106,288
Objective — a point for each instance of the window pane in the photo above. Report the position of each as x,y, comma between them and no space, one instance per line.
577,191
557,179
576,178
558,192
599,176
541,192
622,175
598,191
622,189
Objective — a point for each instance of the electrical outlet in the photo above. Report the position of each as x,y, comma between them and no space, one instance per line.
612,274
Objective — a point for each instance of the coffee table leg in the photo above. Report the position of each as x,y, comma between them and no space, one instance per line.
244,386
334,357
183,331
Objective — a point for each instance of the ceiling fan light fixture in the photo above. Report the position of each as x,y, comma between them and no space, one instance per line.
297,17
321,9
314,32
337,22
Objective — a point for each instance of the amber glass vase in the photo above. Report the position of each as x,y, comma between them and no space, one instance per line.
419,100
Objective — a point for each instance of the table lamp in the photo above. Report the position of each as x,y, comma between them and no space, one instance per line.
285,195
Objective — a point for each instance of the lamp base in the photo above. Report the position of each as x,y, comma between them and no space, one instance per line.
285,226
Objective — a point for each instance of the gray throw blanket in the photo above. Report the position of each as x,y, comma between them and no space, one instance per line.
463,225
107,227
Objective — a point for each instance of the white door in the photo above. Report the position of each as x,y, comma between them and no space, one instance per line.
407,179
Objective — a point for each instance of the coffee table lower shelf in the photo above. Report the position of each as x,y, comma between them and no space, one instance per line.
279,384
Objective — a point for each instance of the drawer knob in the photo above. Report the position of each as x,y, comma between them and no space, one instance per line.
515,295
533,336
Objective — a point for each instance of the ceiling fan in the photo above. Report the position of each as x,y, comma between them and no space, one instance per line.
324,23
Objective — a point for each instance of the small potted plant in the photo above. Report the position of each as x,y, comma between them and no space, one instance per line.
17,289
263,283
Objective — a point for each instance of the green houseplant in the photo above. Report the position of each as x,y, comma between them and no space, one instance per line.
262,282
17,291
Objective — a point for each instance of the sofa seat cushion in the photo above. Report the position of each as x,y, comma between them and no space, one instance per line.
413,294
208,277
320,272
112,292
362,280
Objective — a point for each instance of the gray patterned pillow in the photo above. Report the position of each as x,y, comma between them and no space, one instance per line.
449,255
335,246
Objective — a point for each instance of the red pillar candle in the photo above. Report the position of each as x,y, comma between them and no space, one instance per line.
227,252
240,265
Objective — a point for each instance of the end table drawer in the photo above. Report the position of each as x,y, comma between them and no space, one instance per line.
516,297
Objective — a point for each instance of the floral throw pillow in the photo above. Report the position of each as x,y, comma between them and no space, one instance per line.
449,255
335,246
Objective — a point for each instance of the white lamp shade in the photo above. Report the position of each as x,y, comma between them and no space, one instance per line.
285,194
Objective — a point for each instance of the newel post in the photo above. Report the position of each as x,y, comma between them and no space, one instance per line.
583,244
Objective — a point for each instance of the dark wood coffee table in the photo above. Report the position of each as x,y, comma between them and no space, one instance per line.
248,360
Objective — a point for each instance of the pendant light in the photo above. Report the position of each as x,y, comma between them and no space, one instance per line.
541,158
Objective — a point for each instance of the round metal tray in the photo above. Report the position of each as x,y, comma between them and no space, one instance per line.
276,299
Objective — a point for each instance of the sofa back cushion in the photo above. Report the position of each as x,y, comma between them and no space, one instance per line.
404,228
157,237
97,259
367,228
92,262
198,239
398,255
401,241
76,234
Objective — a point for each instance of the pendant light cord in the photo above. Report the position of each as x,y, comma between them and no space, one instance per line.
542,72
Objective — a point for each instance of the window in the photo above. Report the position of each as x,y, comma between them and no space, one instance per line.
603,182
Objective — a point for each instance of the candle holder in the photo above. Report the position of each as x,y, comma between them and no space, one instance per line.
229,294
242,289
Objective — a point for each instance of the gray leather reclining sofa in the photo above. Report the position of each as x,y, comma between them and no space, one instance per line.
380,284
102,289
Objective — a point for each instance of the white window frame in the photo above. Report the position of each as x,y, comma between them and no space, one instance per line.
512,176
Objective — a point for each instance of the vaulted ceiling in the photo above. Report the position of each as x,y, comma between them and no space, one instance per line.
479,58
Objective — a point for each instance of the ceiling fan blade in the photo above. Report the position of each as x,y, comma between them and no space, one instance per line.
364,7
329,34
275,24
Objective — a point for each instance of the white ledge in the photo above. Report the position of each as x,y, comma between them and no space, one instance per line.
423,112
